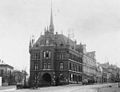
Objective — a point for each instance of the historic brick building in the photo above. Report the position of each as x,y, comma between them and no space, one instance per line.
54,59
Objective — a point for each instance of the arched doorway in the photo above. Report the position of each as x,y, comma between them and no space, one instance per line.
46,79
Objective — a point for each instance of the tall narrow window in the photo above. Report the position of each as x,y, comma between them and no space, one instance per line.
70,66
47,54
44,65
61,66
36,66
47,42
44,54
49,65
39,56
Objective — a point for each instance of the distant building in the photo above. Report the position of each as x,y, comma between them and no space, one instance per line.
99,71
105,73
54,59
111,73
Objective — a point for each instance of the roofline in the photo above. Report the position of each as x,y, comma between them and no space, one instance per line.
7,66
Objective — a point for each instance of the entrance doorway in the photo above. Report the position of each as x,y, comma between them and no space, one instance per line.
46,79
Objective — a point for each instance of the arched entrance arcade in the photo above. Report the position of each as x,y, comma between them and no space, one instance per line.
46,79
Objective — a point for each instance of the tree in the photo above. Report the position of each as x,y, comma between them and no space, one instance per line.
18,75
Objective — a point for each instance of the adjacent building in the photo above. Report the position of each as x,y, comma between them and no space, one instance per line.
5,72
89,65
99,71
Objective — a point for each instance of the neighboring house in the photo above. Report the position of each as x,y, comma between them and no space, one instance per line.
5,72
89,65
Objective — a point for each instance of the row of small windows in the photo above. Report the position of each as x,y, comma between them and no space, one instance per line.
48,66
89,69
35,56
45,66
61,56
76,78
36,67
75,67
72,66
71,56
46,55
75,58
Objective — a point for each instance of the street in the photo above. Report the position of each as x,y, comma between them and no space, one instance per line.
69,88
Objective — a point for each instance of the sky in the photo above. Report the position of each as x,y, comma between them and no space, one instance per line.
95,23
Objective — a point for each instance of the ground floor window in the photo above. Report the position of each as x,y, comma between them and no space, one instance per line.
44,65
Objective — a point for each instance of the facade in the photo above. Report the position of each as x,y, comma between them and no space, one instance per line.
99,73
89,66
54,59
110,73
105,73
5,68
5,72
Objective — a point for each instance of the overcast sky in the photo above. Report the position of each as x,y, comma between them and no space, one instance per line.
95,23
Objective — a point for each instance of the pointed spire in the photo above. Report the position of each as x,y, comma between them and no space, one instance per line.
51,27
51,16
30,44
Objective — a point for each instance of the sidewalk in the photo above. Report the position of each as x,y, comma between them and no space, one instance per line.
109,90
7,87
112,88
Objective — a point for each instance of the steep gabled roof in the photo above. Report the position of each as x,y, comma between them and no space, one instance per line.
60,38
